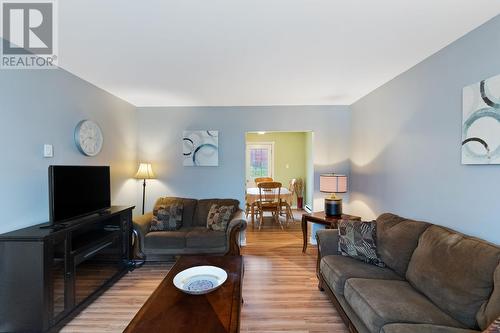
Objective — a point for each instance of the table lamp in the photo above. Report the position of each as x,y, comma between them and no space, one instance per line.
333,183
145,172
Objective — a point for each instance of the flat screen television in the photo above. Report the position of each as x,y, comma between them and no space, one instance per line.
76,191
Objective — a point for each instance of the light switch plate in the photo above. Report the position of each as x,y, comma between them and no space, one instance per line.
48,151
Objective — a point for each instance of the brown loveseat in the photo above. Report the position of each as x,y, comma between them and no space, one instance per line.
436,281
193,237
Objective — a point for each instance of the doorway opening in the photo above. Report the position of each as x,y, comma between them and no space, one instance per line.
285,157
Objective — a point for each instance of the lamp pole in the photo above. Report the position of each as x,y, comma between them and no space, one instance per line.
143,195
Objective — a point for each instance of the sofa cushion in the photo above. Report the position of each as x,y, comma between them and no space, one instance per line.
189,206
219,217
490,310
397,238
167,217
379,302
454,271
336,270
165,240
203,207
358,240
201,237
422,328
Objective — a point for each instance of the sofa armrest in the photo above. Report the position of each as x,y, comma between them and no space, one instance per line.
141,226
328,240
235,226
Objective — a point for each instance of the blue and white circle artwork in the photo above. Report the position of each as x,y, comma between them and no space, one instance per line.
200,148
481,122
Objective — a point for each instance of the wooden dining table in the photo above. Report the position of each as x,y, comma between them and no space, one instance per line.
253,195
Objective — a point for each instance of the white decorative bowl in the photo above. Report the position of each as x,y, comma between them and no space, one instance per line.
200,280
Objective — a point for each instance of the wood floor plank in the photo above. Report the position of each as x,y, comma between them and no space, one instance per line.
279,290
280,286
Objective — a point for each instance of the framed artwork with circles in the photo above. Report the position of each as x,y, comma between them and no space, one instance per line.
200,148
481,122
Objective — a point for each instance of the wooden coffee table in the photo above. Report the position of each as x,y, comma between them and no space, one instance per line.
170,310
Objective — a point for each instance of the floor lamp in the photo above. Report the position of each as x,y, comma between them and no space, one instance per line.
145,172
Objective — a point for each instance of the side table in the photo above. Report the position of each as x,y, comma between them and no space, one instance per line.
321,218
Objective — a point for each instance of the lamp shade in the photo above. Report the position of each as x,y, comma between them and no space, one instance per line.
333,183
145,172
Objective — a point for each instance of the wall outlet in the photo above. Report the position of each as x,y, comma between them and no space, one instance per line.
48,151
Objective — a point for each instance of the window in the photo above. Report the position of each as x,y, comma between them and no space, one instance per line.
259,160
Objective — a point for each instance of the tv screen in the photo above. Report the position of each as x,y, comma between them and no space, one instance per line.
76,191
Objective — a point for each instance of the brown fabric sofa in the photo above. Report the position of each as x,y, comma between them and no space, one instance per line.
436,280
193,237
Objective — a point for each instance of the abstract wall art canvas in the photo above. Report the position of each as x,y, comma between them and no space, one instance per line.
481,122
200,148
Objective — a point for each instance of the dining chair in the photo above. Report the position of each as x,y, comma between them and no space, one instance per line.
248,206
269,201
285,205
262,180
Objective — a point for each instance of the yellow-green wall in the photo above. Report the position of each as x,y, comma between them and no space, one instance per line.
290,150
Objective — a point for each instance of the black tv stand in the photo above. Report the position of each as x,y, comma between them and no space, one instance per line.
45,269
55,227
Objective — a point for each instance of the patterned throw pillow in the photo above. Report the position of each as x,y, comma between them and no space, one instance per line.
358,240
167,217
218,217
494,327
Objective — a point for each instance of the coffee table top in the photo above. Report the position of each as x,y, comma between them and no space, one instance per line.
170,310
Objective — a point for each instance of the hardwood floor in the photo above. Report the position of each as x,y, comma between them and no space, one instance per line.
114,309
280,285
279,290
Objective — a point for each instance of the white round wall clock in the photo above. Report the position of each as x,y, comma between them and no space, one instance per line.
88,137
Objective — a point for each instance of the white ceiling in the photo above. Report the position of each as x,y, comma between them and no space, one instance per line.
255,52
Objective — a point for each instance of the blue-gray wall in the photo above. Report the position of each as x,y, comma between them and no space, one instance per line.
160,138
44,106
406,142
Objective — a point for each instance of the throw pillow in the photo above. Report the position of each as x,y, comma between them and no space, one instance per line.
167,217
358,240
494,327
219,216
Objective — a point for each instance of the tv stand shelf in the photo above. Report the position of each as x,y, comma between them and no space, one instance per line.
94,241
44,269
